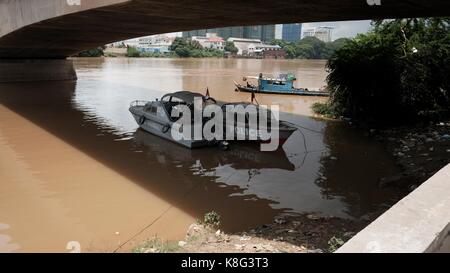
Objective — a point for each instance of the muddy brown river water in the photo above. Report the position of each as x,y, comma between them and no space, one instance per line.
74,167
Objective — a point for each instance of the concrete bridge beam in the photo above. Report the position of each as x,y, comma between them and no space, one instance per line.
26,70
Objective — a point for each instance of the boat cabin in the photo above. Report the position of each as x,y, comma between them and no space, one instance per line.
282,83
170,101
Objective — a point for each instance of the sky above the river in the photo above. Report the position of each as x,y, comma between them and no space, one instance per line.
346,29
342,29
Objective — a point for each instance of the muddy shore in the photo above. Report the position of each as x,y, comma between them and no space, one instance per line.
419,151
307,233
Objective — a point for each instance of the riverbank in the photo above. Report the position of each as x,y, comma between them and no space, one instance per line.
419,152
307,233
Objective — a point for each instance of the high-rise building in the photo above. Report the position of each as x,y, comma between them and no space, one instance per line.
268,33
189,34
252,32
291,32
323,33
265,33
227,32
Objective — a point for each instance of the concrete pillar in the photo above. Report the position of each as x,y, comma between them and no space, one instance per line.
27,70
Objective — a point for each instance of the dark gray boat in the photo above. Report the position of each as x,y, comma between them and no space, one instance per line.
155,116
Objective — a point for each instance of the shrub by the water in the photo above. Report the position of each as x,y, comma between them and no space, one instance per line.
96,52
133,52
324,109
212,219
397,72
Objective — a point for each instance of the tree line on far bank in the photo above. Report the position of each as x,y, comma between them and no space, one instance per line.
307,48
310,48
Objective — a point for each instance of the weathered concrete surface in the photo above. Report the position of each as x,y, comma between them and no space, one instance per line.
53,29
443,242
15,14
418,223
36,70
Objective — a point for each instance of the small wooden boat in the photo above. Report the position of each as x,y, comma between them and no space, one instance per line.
283,84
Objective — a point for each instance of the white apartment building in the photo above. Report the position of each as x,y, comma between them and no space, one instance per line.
245,46
211,40
322,33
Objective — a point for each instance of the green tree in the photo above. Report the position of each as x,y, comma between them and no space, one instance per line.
309,48
96,52
178,42
230,47
397,72
183,52
133,52
312,48
188,48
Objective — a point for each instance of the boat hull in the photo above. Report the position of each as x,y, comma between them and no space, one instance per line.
296,91
160,126
162,129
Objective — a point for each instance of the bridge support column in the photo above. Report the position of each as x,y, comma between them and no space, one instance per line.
26,70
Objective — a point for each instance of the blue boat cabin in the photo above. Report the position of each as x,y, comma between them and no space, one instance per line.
283,84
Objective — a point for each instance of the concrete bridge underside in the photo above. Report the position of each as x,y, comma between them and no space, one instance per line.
62,30
53,29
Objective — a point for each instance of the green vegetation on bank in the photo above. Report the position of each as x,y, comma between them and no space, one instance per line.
156,245
185,48
324,109
396,73
230,47
96,52
133,52
310,48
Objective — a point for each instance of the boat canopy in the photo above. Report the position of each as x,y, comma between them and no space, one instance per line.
281,77
185,96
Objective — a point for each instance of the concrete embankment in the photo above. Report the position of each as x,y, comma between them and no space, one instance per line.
418,223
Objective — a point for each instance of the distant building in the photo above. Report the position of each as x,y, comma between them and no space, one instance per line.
244,46
227,32
190,34
322,33
256,48
253,32
268,33
277,53
151,44
146,41
268,51
264,33
211,40
154,49
291,32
